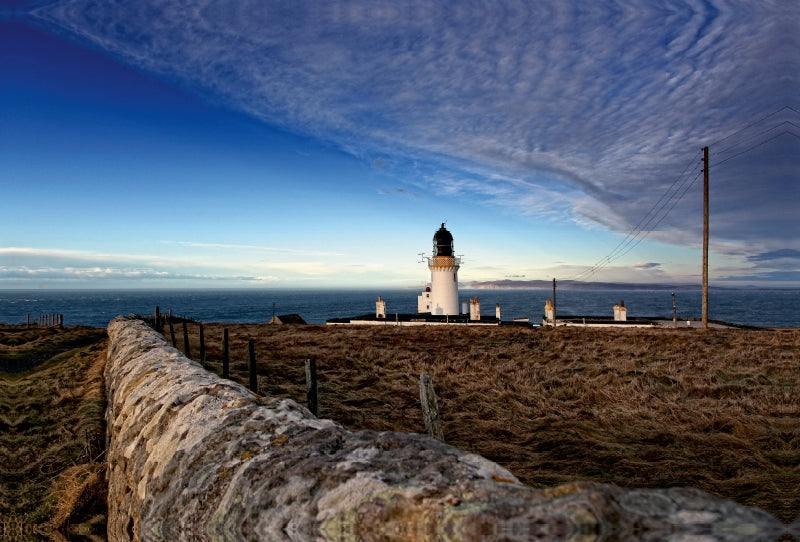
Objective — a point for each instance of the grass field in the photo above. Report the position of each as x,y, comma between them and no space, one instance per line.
718,410
52,434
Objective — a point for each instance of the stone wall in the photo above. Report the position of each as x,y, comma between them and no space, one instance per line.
193,456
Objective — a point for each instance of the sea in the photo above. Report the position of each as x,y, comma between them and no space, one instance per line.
751,307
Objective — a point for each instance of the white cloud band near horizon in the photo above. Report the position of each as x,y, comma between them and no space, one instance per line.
19,265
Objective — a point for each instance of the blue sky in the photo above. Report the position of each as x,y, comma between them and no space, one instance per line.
310,144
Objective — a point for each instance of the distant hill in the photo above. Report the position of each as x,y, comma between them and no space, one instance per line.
573,285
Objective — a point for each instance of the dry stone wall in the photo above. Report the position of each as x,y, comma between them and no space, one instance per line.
195,457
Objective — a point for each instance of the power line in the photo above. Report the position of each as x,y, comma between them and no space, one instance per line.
640,236
673,195
637,234
756,146
735,145
642,222
685,190
786,107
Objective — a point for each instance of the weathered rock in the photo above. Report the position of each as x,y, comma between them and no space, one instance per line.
193,456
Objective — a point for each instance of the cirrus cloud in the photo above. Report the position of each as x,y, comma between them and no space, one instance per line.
581,112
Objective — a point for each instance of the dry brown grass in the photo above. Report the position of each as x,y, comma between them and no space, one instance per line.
718,410
23,348
52,435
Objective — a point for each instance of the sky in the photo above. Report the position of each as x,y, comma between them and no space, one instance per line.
272,144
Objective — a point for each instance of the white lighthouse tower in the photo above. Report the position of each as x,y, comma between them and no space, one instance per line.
443,295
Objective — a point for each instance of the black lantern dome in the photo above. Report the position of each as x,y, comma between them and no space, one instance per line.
442,242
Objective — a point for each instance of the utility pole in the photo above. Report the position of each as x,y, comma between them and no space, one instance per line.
554,302
705,237
674,311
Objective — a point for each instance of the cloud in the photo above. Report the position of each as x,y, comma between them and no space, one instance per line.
71,258
790,278
43,275
582,112
249,248
23,266
776,255
397,192
647,265
28,265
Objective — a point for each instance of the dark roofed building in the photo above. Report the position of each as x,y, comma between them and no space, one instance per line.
287,319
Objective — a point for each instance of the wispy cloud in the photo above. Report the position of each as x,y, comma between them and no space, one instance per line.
25,265
73,257
584,112
249,248
783,254
85,275
771,278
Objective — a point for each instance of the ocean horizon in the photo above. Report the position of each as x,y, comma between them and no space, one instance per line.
751,307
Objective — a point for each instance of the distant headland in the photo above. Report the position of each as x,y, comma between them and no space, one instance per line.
510,284
573,285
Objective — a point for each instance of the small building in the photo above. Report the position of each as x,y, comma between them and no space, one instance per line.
287,319
619,320
620,312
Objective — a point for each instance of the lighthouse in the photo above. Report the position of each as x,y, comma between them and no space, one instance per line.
442,296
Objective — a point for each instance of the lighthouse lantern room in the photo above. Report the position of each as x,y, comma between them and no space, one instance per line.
442,296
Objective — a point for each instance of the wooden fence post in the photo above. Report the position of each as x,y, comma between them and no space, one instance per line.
430,409
225,358
157,320
311,386
186,349
251,362
202,345
172,333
